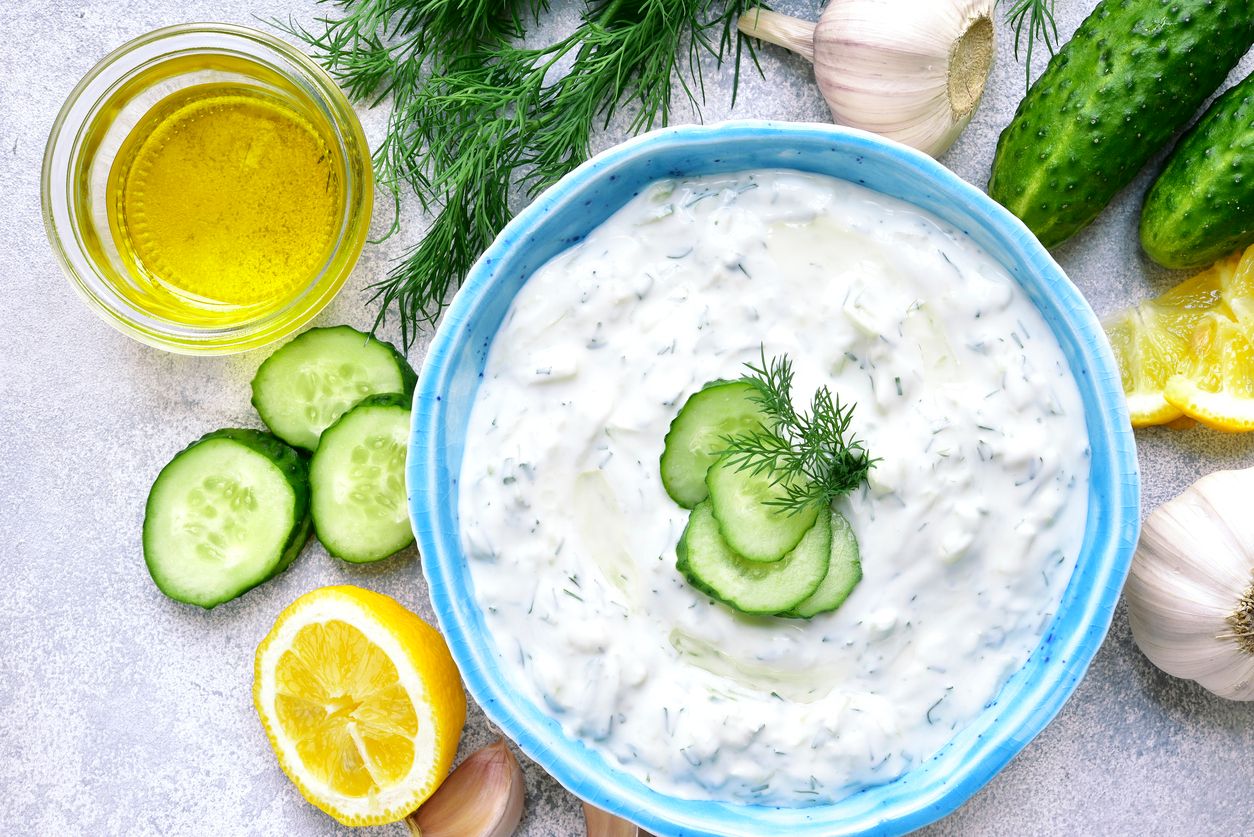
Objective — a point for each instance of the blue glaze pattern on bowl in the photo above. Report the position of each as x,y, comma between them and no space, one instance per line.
566,213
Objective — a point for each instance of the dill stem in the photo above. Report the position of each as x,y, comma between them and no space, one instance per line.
474,115
609,13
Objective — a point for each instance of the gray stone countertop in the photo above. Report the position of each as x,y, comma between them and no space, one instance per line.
122,712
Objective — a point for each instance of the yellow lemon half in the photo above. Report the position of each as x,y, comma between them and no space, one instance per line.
361,701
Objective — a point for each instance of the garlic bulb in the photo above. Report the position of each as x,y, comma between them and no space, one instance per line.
604,824
909,70
1191,589
483,797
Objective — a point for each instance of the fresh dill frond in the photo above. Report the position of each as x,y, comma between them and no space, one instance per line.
811,455
1038,17
463,137
381,48
376,47
473,114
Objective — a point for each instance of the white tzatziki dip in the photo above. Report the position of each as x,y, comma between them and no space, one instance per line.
969,527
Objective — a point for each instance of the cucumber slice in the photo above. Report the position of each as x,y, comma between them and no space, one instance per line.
360,511
723,408
844,571
752,586
227,513
755,530
302,389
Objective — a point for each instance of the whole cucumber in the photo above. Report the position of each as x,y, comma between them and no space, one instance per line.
1132,75
1201,208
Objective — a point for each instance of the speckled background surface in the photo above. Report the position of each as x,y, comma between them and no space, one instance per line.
124,713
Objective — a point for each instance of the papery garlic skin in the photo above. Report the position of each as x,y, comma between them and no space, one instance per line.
909,70
1190,592
791,33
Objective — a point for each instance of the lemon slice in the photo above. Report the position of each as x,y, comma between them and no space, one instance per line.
361,701
1238,289
1218,387
1154,341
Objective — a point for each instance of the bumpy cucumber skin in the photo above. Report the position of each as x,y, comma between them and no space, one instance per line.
1201,208
1133,74
294,468
383,399
409,378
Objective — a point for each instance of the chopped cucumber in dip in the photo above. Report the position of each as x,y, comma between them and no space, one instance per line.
967,536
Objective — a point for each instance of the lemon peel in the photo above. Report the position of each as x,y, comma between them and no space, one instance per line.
361,701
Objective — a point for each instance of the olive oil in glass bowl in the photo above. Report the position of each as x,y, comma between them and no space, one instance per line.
207,188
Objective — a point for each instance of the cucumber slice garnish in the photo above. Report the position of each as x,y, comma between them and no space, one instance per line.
304,387
753,587
357,475
721,409
227,513
844,571
740,501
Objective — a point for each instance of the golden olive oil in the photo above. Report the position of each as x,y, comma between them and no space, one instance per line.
224,201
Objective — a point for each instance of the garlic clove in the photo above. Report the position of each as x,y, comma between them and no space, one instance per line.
604,824
483,797
910,70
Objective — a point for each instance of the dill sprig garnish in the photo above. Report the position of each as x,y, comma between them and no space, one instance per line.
474,116
1038,17
811,455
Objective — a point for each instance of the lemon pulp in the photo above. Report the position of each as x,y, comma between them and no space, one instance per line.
354,726
361,702
1189,353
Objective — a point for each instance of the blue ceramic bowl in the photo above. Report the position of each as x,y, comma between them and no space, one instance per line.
566,213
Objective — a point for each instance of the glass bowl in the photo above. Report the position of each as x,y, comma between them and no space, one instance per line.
101,112
569,210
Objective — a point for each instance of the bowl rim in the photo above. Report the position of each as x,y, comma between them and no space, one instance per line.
652,809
